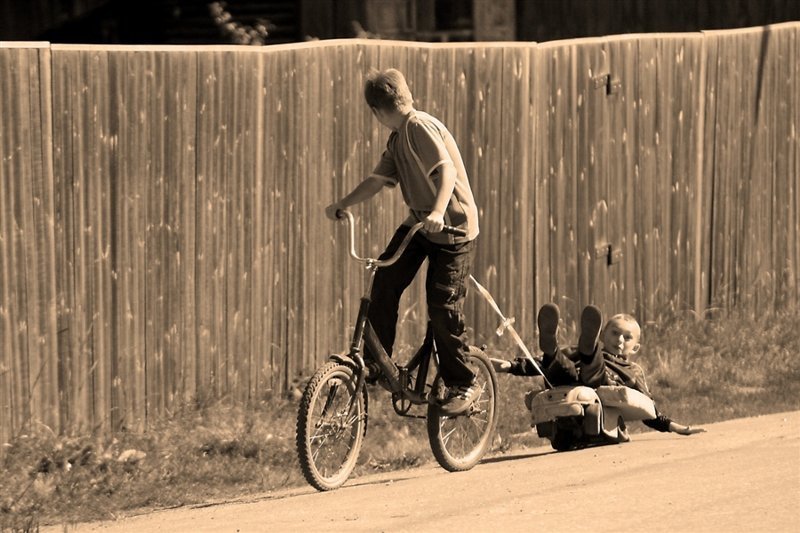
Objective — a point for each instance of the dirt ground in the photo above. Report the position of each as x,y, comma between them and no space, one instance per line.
742,475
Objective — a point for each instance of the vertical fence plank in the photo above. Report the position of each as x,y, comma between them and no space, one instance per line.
237,164
98,230
135,177
44,214
184,273
515,184
15,369
212,230
258,340
543,174
487,175
273,201
28,360
81,370
7,375
300,267
622,166
329,325
591,221
62,188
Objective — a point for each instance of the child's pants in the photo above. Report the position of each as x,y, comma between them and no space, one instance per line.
445,285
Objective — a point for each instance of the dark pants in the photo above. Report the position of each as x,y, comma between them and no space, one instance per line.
445,285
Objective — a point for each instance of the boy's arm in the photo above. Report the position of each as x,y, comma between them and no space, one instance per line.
434,222
363,191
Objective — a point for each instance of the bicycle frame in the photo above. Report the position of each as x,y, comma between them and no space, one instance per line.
397,376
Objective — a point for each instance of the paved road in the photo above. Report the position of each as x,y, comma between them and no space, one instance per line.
743,475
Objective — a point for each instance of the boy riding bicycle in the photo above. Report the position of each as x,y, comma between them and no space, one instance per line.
422,156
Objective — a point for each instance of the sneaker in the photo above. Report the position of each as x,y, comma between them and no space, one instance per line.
459,399
591,322
547,322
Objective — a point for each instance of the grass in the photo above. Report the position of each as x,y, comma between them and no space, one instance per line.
701,371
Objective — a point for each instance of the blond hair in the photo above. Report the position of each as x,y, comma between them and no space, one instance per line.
624,317
387,90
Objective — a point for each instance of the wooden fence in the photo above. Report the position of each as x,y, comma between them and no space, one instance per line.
162,236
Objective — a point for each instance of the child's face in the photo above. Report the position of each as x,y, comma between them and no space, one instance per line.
621,337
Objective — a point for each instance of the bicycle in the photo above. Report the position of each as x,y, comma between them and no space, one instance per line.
332,418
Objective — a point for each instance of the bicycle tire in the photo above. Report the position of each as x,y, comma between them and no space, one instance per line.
459,442
328,442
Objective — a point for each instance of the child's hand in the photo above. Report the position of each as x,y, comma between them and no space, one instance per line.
332,209
501,365
685,430
434,222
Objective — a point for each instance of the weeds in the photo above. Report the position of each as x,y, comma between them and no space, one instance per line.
701,371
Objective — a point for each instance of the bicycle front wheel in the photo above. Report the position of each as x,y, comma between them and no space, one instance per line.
329,434
459,442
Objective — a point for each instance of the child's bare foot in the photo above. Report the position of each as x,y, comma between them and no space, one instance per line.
547,322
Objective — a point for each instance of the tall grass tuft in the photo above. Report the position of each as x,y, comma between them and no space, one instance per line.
700,371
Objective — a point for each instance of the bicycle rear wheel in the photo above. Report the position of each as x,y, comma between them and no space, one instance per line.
459,442
329,438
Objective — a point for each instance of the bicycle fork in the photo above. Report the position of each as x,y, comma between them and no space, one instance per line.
358,338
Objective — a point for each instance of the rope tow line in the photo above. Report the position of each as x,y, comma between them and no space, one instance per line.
507,324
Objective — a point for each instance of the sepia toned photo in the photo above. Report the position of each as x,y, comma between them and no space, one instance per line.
399,265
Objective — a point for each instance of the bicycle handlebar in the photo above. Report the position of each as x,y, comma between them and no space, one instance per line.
347,216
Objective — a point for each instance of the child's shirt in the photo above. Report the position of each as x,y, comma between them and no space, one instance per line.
604,368
414,155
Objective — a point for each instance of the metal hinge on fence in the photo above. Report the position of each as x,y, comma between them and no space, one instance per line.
609,253
612,85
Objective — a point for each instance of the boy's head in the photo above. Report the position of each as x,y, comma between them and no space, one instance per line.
621,335
387,91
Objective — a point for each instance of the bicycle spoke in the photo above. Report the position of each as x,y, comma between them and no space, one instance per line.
319,449
318,436
334,387
446,436
353,419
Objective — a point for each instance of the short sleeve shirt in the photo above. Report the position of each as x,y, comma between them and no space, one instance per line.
414,156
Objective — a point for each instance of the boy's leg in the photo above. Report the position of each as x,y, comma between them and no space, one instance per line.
389,284
448,269
592,368
547,322
557,365
591,322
